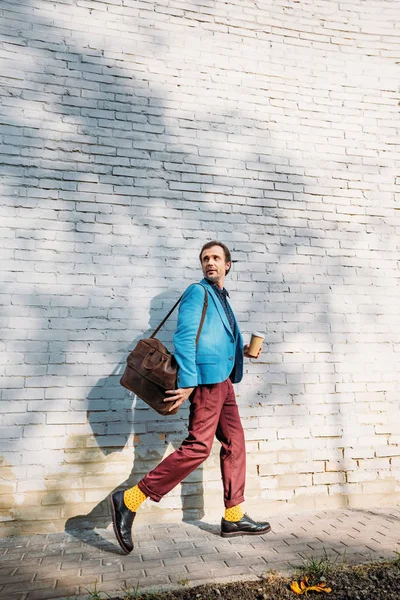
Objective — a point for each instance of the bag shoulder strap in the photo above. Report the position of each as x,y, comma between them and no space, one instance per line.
203,314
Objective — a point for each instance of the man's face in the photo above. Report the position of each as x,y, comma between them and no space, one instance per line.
214,264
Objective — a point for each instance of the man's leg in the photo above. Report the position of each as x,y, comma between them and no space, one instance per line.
233,451
206,403
233,470
205,407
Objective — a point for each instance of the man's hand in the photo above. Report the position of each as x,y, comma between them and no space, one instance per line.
246,352
179,396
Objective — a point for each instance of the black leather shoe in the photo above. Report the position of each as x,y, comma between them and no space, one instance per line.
122,519
246,526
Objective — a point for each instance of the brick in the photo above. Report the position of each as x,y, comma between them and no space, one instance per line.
294,480
329,478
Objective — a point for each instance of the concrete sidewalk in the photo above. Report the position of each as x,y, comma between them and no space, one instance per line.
55,566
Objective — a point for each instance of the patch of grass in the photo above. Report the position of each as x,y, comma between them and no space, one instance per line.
95,594
131,593
135,594
318,570
183,581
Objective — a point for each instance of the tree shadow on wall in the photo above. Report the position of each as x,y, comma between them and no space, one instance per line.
133,149
124,192
116,415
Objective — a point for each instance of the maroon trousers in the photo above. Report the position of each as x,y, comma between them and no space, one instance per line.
213,412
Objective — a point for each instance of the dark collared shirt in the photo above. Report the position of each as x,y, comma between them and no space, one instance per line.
222,296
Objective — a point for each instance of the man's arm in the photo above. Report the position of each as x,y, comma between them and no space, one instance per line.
189,317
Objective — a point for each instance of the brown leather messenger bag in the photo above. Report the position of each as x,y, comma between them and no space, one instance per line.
151,369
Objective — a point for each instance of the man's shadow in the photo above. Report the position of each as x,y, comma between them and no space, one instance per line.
115,414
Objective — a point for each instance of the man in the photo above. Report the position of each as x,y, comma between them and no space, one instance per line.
205,377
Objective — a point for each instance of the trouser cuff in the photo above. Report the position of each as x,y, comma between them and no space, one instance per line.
143,488
234,502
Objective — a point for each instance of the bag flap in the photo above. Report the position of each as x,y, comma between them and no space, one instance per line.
153,361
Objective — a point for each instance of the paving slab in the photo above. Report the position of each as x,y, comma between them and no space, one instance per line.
63,566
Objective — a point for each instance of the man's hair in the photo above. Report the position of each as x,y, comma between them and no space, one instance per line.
224,248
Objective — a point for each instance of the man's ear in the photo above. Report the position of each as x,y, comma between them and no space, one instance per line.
227,267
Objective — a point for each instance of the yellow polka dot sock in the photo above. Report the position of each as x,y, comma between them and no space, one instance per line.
233,514
133,498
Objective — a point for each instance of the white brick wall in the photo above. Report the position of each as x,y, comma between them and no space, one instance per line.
130,133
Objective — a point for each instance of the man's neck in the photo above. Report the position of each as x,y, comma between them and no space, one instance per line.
219,283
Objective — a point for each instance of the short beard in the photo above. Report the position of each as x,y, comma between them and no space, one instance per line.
212,278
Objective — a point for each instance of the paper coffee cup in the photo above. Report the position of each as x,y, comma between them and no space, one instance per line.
256,341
